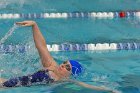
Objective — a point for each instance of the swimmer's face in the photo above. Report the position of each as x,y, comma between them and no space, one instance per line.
65,68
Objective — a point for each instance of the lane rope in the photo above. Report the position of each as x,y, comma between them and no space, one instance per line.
72,47
121,14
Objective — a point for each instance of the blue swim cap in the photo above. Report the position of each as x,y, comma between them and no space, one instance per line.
76,67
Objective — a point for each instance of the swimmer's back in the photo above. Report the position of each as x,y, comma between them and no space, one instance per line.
38,77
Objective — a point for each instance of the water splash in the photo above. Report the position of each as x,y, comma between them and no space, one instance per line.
9,33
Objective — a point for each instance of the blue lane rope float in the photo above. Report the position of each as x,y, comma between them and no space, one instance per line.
72,47
121,14
13,48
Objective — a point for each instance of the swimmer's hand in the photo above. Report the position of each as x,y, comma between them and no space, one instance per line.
102,88
116,91
109,90
26,23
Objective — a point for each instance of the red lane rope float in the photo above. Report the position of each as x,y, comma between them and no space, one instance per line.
122,14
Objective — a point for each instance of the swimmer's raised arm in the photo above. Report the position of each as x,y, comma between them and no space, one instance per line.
40,43
93,87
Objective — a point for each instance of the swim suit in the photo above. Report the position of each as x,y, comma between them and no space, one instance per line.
38,77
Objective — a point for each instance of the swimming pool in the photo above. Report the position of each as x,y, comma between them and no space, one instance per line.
115,69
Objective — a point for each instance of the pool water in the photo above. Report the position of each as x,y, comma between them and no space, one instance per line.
114,69
119,70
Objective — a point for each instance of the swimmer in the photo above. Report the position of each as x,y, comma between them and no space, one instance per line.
51,72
